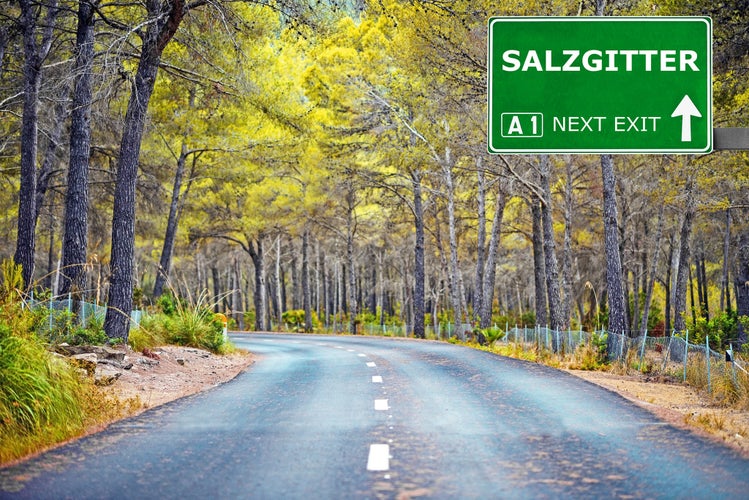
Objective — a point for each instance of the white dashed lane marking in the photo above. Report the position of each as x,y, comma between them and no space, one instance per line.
381,405
376,379
371,364
379,457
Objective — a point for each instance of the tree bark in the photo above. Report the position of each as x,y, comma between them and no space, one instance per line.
539,270
306,295
490,273
567,248
454,274
478,301
255,249
350,232
418,302
165,18
556,321
34,54
615,289
653,271
54,135
741,282
725,293
75,236
682,272
165,261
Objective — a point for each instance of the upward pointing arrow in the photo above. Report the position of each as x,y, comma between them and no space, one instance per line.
686,109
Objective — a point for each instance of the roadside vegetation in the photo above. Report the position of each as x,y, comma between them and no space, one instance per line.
44,398
727,385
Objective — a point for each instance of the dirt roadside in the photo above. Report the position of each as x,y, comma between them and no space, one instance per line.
182,371
680,405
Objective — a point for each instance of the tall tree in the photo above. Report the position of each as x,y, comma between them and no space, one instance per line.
163,20
35,51
75,237
557,321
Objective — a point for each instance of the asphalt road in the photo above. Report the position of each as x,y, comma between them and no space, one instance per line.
321,417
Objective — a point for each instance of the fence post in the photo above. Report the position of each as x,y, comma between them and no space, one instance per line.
686,354
50,312
621,346
642,349
707,357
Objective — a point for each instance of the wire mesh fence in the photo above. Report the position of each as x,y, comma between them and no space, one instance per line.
674,356
85,312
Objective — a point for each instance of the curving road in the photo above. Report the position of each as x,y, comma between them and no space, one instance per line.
361,417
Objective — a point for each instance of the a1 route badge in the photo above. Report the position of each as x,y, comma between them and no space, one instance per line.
600,85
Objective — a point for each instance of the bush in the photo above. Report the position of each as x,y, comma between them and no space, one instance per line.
188,327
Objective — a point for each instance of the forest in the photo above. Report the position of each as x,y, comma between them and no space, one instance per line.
326,160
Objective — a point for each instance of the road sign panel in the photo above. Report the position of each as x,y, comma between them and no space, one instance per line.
600,85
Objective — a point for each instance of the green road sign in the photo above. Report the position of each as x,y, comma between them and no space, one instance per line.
600,85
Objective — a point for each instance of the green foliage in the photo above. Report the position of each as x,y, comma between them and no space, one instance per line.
43,399
194,327
167,304
62,326
719,329
493,334
293,317
12,281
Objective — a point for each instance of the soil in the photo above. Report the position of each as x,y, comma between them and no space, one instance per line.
171,372
182,371
680,405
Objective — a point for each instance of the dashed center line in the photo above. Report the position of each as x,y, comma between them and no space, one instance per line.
371,364
376,379
381,405
379,457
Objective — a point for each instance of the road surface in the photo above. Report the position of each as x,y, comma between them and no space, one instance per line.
323,417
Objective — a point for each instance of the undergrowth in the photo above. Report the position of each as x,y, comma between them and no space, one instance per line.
192,325
43,399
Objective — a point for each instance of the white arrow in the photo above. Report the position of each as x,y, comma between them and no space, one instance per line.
686,109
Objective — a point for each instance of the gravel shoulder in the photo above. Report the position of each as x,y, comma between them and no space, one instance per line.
172,372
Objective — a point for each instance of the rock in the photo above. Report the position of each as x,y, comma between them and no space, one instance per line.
147,361
101,352
181,361
106,376
85,362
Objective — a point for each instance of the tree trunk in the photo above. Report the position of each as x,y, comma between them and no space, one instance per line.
741,281
165,18
170,236
256,254
682,272
350,231
306,295
653,272
556,322
615,289
667,284
478,307
539,270
567,248
454,274
279,305
75,237
418,301
216,288
54,134
34,55
490,272
724,282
